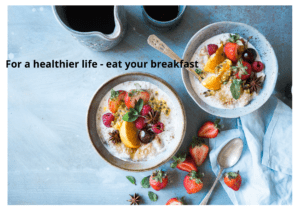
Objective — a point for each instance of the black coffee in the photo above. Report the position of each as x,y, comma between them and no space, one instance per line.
162,13
88,18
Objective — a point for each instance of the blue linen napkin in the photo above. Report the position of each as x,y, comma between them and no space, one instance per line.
266,162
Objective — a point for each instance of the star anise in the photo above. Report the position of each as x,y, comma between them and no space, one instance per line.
255,83
114,136
152,117
134,199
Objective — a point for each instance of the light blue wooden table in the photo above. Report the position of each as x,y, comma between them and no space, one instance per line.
50,157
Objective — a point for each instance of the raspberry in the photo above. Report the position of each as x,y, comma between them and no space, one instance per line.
107,119
140,123
158,127
146,109
212,48
257,66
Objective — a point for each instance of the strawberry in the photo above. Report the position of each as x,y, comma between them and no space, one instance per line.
209,129
257,66
198,150
140,123
233,180
134,95
116,99
192,182
243,70
158,127
234,47
184,163
176,201
231,51
158,180
212,48
107,119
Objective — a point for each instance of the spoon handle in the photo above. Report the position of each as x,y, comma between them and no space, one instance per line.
156,43
205,200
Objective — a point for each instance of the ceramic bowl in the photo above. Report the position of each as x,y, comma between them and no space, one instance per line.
264,49
97,142
164,25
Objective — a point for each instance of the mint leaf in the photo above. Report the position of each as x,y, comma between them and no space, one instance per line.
153,197
145,182
198,71
114,94
139,105
131,116
131,179
235,88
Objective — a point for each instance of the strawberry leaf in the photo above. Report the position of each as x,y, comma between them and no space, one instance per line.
197,141
145,182
196,176
153,197
173,165
178,160
233,38
131,179
158,176
231,175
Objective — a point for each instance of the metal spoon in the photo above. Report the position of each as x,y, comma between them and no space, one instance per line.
156,43
228,157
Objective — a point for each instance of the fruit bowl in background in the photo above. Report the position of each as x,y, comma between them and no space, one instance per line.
159,159
265,51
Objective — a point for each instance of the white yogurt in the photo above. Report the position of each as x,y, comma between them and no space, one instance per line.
201,55
145,151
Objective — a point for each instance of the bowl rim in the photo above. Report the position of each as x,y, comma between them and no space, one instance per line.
267,95
181,107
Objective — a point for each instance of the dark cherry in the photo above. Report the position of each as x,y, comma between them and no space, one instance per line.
146,136
249,55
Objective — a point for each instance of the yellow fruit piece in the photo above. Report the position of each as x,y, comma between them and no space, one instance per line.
223,71
212,82
118,125
224,66
128,135
214,61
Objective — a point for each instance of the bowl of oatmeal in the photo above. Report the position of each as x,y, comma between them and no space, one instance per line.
237,69
136,122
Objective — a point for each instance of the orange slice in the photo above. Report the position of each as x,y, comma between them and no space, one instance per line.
215,82
215,60
128,135
212,82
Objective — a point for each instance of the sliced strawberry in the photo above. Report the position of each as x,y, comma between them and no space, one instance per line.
198,150
133,96
209,129
116,99
175,201
184,163
231,51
